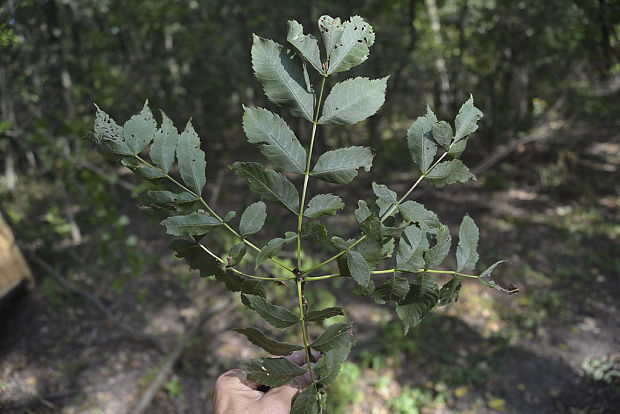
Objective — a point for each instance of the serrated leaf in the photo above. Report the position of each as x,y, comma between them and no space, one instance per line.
307,45
164,144
457,148
485,278
329,365
268,184
436,254
313,232
248,286
229,216
331,30
141,170
139,130
195,224
414,212
359,269
353,100
253,219
290,236
420,141
276,315
420,301
109,135
372,227
170,198
191,158
352,47
272,372
449,172
271,249
442,133
395,289
467,249
342,244
386,198
196,258
341,165
449,292
237,252
322,314
466,122
373,251
282,77
335,336
411,248
274,139
322,204
270,345
306,402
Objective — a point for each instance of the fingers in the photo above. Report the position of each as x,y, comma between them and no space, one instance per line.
299,357
234,379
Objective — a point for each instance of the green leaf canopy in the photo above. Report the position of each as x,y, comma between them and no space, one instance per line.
353,100
340,166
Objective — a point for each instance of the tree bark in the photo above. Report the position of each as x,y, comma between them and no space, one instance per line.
440,62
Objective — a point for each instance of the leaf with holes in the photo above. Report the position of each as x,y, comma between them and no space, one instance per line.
139,130
164,144
352,45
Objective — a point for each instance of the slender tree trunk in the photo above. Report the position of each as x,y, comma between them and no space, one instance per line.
440,62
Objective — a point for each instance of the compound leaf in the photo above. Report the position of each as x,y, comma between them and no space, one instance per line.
253,219
164,144
271,249
353,100
352,46
335,336
272,372
420,141
322,204
274,139
191,158
307,45
467,249
411,247
341,165
282,77
420,301
449,172
270,345
276,315
268,184
139,130
195,224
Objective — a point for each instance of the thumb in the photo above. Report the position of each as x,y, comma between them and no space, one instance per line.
279,400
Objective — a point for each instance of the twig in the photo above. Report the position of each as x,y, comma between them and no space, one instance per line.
171,359
129,330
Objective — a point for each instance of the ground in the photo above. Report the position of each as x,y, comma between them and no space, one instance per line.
551,208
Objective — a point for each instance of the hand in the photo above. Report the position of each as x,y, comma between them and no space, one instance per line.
234,394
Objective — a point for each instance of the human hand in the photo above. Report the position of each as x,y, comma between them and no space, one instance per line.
234,394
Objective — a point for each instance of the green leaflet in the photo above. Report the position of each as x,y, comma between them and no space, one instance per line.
466,122
268,184
191,158
253,219
449,172
353,100
276,315
289,237
395,289
442,133
170,198
236,254
282,77
329,365
307,45
270,345
420,301
414,212
359,269
331,30
313,232
335,336
142,171
306,402
271,249
196,258
352,46
362,212
420,141
372,227
195,224
411,247
485,277
340,166
322,314
436,254
139,130
386,198
109,135
272,372
322,204
274,139
229,216
449,292
467,249
164,144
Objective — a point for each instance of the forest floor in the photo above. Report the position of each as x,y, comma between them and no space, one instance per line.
552,208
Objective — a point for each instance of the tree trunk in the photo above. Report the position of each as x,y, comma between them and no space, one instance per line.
440,63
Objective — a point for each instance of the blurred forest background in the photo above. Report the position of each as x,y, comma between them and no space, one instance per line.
116,323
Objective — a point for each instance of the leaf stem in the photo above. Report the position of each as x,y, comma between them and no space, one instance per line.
300,216
304,333
212,212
